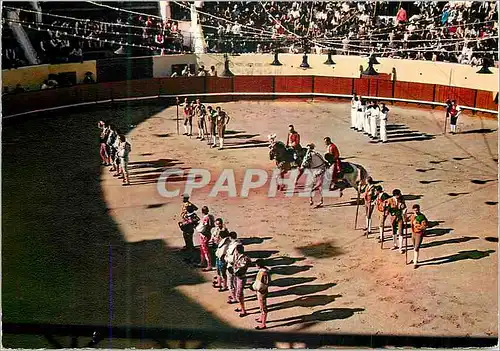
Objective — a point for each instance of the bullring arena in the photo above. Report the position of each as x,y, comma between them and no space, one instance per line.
89,262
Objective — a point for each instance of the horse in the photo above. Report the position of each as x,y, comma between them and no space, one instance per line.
286,158
318,166
350,175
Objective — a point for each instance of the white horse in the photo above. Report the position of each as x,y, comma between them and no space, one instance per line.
317,166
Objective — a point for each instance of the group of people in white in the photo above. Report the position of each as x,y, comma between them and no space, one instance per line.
367,116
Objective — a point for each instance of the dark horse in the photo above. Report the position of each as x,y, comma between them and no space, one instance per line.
286,158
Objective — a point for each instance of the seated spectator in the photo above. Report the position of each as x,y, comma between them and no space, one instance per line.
213,72
45,85
18,89
88,79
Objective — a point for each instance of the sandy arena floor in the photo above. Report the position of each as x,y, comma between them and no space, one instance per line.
328,276
78,248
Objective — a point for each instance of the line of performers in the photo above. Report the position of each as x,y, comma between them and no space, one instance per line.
394,208
211,123
367,115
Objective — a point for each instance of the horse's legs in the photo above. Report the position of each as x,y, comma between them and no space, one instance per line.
301,171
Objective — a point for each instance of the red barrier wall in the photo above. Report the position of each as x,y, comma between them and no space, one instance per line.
414,91
251,84
293,84
45,99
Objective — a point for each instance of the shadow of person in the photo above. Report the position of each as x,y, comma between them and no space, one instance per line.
284,282
283,261
449,241
437,231
301,290
318,316
290,270
303,301
254,240
461,255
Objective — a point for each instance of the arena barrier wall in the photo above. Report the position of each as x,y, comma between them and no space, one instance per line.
245,87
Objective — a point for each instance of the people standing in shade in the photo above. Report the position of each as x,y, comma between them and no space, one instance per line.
419,225
240,266
111,145
103,137
455,111
229,258
220,254
396,207
384,113
189,220
374,117
222,121
123,152
204,230
261,288
354,109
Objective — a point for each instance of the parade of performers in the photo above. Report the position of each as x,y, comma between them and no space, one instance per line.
211,123
216,244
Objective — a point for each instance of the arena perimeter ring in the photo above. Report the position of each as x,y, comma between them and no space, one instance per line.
110,253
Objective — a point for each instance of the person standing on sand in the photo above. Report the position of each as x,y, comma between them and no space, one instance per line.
384,112
369,197
419,225
189,219
261,288
241,264
212,126
396,207
123,152
354,110
204,230
381,209
220,263
229,258
222,121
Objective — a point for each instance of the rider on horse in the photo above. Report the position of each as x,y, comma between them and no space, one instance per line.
293,142
333,157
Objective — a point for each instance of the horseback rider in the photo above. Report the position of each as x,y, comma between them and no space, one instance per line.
333,157
293,142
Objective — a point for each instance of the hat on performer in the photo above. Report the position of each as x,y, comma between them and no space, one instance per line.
311,146
185,196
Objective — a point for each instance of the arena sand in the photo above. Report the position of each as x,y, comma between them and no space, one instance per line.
327,277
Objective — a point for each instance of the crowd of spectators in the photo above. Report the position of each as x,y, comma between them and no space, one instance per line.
460,31
59,40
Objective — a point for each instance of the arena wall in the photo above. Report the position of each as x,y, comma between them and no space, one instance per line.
248,87
32,77
446,74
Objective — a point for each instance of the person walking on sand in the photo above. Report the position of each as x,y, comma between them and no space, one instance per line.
261,288
241,264
419,225
188,117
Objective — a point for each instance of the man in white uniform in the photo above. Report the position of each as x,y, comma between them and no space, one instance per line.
366,119
354,109
360,114
384,111
374,116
